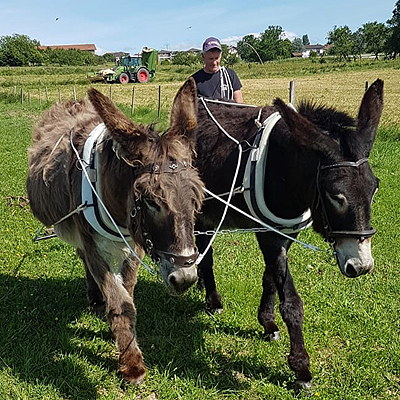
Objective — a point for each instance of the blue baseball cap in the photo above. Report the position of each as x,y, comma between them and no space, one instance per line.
211,43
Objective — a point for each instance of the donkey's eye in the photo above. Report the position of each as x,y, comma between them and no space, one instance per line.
339,201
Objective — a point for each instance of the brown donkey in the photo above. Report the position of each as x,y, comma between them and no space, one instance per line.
144,180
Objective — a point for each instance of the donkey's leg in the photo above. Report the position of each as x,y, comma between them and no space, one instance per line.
121,314
120,311
266,311
206,276
130,270
95,298
291,306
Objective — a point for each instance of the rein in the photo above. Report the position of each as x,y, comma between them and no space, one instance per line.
155,168
149,269
329,233
232,190
156,254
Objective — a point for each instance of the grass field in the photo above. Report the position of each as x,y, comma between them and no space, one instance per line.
51,347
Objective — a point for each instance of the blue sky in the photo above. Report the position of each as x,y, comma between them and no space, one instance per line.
179,25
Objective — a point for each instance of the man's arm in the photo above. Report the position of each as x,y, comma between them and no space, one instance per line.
238,96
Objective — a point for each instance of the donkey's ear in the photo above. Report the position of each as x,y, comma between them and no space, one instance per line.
183,119
117,123
368,117
305,132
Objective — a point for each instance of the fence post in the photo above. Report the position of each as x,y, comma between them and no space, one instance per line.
291,92
14,91
47,95
22,95
29,97
133,100
159,101
74,92
59,95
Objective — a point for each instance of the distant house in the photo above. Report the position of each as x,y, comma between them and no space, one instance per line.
317,48
232,50
193,51
165,55
91,48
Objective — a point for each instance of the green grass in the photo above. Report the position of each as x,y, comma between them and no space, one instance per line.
51,347
35,77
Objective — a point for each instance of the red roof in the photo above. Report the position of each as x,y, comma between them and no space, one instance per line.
83,47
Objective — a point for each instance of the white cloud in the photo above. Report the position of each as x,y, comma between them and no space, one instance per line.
288,35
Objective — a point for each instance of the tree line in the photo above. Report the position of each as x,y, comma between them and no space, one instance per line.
372,37
20,50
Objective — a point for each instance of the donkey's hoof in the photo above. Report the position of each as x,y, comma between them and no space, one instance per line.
305,388
213,311
134,375
273,337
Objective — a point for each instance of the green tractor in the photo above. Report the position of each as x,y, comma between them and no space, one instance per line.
130,69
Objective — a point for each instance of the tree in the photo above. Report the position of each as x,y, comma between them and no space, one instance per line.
358,42
305,40
184,58
341,40
298,46
248,48
375,37
19,50
227,57
271,44
393,43
285,49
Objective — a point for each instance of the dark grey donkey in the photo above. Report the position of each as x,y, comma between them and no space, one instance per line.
317,161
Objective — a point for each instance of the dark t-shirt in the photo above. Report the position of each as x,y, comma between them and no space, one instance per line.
209,85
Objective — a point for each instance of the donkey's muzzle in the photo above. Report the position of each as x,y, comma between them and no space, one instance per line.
354,256
182,278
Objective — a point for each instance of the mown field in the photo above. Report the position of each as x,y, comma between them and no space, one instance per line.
51,347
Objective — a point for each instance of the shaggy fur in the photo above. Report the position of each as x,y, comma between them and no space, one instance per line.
168,201
299,143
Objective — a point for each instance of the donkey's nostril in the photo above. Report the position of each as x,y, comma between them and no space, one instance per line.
351,271
172,280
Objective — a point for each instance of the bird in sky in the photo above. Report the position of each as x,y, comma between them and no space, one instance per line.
57,18
188,27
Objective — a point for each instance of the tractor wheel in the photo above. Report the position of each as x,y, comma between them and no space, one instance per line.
142,75
123,78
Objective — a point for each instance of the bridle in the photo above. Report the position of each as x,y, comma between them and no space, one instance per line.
331,234
137,216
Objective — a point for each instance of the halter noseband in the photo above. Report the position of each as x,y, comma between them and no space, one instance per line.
136,214
329,233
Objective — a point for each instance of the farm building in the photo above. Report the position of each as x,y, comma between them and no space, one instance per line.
83,47
165,55
317,48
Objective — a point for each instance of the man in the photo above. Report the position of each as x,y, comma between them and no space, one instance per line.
214,81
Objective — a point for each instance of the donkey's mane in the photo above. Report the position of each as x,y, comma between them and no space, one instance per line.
335,122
